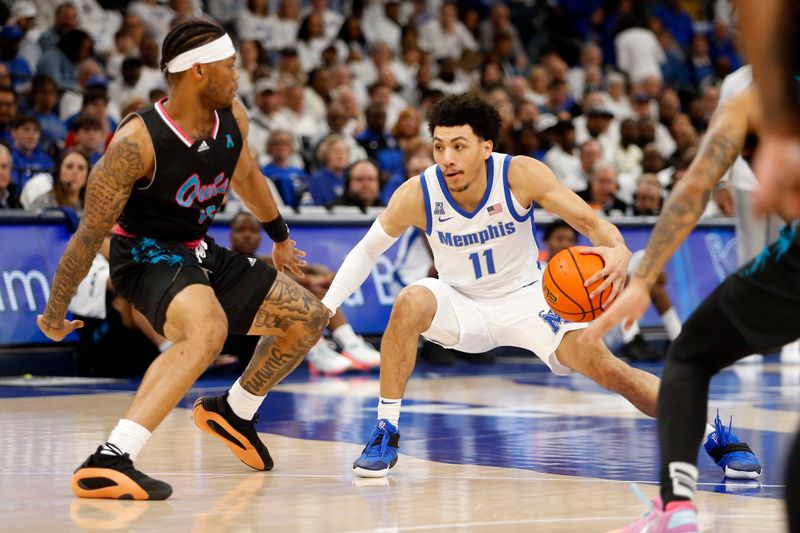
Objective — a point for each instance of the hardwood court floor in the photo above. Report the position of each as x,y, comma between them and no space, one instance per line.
500,448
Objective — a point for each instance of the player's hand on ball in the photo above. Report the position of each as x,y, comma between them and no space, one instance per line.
630,306
615,270
57,334
285,255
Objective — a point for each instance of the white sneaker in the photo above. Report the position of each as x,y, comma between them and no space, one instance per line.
322,359
362,355
791,353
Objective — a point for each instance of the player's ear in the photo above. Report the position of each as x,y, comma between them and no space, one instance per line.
487,149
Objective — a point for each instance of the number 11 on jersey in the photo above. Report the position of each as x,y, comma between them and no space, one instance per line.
476,263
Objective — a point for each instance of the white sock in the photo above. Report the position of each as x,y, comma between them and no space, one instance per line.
672,323
129,437
345,335
684,479
630,333
709,430
164,346
389,409
244,404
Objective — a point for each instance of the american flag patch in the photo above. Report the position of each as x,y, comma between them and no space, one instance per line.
495,209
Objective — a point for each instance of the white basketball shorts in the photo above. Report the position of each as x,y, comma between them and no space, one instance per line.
477,325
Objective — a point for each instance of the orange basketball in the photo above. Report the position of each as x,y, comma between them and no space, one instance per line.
563,288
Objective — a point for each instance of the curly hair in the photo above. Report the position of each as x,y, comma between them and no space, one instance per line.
465,109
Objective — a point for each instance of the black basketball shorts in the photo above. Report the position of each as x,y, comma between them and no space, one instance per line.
149,273
762,299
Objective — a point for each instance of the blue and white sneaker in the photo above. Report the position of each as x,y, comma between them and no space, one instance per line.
732,455
380,453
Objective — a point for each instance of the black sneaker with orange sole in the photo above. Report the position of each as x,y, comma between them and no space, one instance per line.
114,477
213,415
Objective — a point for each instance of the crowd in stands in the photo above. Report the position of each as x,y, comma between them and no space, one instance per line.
614,95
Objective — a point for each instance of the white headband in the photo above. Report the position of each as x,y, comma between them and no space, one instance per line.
216,50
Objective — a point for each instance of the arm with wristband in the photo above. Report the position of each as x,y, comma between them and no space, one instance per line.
406,208
251,186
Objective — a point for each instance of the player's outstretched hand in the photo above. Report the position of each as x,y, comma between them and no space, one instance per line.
615,270
777,167
630,306
67,327
285,255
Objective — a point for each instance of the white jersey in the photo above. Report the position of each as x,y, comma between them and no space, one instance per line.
489,252
740,174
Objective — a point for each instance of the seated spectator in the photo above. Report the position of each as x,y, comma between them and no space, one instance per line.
44,107
67,185
9,195
8,110
627,155
562,158
60,63
407,128
446,36
265,115
601,193
19,70
290,179
27,157
648,197
328,182
322,359
95,102
415,165
129,85
379,143
340,123
362,186
89,137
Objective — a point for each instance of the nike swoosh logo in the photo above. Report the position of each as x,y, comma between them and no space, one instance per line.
444,219
389,403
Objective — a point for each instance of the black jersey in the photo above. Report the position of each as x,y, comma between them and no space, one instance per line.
190,178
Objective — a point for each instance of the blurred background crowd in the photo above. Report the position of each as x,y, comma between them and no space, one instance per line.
613,95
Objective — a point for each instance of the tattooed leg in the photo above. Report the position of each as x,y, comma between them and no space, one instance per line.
290,321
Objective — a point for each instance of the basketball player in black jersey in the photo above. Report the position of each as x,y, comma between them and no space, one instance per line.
161,180
755,310
772,36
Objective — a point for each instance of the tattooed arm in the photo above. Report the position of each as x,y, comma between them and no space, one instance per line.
128,158
721,144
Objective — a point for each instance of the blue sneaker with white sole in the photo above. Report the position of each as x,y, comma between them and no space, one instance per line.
735,457
380,453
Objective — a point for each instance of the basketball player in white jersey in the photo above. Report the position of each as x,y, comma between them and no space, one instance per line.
754,231
476,209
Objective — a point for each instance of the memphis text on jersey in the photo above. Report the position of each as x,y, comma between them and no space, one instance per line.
492,231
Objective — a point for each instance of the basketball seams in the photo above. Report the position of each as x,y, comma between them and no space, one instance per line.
564,293
583,282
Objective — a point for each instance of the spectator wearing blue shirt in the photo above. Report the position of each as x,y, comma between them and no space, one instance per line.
415,166
677,21
379,143
18,68
90,138
27,158
290,180
327,184
44,102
